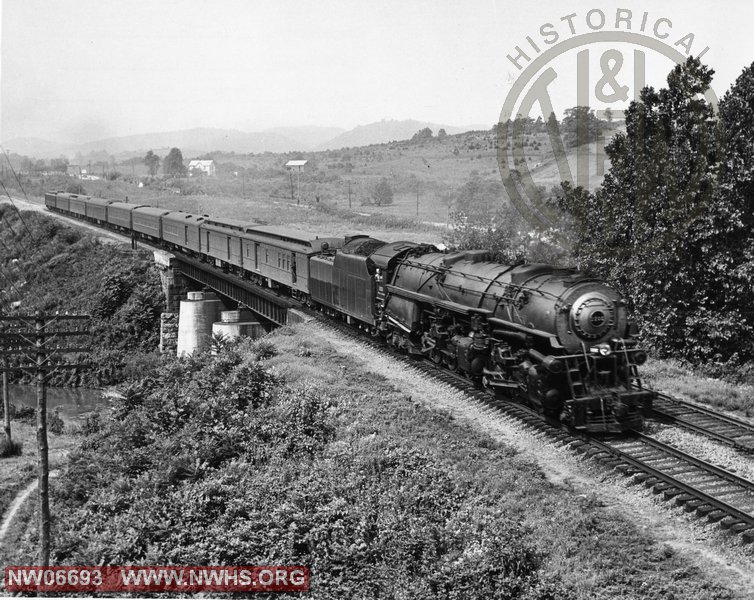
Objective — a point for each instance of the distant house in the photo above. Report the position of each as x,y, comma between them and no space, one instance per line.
206,166
73,171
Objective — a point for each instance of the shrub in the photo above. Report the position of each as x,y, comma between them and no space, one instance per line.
24,413
10,448
54,423
264,349
75,187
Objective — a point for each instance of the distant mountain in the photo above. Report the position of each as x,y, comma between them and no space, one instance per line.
307,137
37,147
387,130
190,141
201,140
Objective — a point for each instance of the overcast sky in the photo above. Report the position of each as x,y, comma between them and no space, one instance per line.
81,70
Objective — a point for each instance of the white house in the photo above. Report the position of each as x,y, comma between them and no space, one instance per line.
207,166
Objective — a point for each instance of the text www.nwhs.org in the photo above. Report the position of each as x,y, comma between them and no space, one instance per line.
157,579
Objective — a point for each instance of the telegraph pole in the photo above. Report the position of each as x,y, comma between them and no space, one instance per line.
41,342
43,464
349,193
6,399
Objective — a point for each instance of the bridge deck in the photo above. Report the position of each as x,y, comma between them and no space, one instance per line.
265,302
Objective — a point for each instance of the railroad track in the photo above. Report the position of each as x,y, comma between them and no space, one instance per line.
704,421
696,485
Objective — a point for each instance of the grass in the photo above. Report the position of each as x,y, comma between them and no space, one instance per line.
18,471
680,381
596,551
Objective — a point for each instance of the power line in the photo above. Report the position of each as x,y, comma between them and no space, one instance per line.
2,183
34,240
8,306
17,237
12,170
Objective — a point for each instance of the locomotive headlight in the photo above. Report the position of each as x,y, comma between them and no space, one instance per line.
601,349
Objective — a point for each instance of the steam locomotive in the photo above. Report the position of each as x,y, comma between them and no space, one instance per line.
554,337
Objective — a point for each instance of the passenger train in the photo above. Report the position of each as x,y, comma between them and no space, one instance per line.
554,337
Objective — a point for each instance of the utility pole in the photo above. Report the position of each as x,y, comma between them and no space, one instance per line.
43,464
349,193
417,200
41,342
6,399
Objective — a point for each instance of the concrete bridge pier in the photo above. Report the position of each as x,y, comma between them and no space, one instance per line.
198,314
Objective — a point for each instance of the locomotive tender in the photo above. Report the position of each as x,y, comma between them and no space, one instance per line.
553,337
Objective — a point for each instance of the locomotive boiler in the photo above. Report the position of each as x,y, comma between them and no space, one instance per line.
555,336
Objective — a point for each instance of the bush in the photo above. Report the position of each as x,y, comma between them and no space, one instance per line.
54,423
213,460
75,187
24,413
10,448
264,349
383,193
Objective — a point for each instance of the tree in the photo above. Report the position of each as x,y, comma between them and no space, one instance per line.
580,126
660,226
383,193
152,161
422,135
442,134
173,163
553,127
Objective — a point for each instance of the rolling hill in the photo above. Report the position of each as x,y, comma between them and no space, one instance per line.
202,140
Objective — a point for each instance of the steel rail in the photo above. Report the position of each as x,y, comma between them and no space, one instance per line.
746,486
743,428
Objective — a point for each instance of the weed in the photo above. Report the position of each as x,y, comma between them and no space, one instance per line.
264,349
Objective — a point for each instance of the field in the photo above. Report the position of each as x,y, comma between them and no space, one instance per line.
426,178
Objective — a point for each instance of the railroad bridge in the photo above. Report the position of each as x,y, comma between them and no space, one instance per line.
181,274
